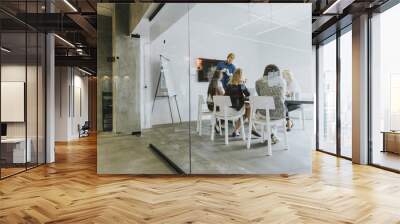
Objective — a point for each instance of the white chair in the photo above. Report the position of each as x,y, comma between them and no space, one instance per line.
201,114
265,103
226,113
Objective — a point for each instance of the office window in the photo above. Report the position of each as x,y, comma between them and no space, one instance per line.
327,96
346,93
385,89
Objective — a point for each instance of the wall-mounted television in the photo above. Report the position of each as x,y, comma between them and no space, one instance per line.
206,68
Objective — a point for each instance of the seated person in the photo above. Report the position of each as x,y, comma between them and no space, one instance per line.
292,90
215,88
227,69
272,84
238,93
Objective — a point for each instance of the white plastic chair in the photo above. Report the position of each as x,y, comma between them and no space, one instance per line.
226,113
201,114
265,103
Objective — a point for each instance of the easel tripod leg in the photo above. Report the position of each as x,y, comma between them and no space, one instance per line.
177,107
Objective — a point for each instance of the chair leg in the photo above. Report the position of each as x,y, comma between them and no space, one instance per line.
249,136
212,128
285,138
243,131
263,132
219,127
200,126
197,123
269,132
226,132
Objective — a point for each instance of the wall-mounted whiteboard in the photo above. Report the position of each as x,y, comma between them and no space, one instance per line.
12,101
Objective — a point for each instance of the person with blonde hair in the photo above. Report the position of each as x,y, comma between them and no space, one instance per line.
292,87
238,93
292,90
228,68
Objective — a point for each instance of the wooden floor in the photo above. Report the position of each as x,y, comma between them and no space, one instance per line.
70,191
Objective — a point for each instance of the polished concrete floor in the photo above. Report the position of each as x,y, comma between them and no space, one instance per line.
131,154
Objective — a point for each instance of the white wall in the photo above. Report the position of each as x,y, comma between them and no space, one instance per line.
259,34
68,82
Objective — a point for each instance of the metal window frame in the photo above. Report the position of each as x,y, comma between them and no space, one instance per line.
334,37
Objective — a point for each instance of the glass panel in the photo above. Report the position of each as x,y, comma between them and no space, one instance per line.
14,153
144,93
169,81
385,89
264,49
327,96
346,93
32,98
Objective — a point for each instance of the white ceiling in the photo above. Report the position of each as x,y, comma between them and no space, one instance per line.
281,24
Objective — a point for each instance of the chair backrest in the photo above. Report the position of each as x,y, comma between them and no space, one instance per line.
262,102
221,102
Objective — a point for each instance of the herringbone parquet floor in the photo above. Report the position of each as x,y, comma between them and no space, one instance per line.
70,191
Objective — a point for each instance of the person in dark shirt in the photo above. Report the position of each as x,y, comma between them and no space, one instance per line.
239,93
227,69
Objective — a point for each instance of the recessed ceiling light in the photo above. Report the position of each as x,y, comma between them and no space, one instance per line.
84,71
64,40
70,5
5,50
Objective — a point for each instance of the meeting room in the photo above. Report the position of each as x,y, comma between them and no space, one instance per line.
222,88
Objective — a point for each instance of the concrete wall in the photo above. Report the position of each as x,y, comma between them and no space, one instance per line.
104,66
126,79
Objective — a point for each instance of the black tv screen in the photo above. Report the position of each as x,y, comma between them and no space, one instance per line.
205,68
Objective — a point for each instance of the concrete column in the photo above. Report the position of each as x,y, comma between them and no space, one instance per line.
360,90
126,78
104,65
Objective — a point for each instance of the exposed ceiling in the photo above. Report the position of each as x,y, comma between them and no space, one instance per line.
75,22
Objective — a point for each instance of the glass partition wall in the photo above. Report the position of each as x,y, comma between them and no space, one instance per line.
182,62
22,100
